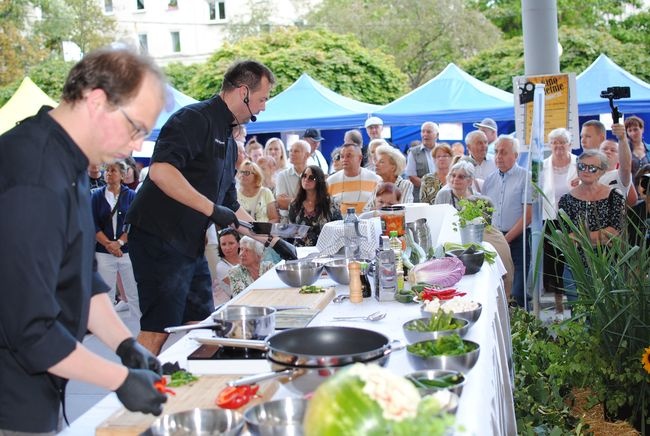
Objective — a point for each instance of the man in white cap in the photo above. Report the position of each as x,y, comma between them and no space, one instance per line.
313,138
489,127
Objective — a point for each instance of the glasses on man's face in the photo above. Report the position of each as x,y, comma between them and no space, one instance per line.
245,173
309,177
457,176
138,132
588,168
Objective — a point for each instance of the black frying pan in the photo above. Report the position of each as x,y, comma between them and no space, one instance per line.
323,346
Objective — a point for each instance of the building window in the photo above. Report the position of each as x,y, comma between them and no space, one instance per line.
176,42
108,6
143,43
217,10
139,5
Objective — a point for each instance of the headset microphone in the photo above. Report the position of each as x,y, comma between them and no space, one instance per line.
246,100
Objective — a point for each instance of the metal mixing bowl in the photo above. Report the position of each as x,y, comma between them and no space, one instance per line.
432,374
338,270
413,336
274,418
461,362
197,422
471,315
297,274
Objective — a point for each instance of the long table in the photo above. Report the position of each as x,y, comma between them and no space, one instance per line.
486,406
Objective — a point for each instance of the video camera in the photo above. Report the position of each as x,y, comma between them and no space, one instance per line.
614,93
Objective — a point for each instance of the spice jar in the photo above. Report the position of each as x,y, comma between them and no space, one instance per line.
392,219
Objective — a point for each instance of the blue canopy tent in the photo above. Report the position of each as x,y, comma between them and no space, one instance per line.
174,101
451,96
307,103
604,73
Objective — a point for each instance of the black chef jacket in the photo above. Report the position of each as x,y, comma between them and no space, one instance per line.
48,272
195,141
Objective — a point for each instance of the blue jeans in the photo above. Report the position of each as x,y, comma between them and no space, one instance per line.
521,267
570,288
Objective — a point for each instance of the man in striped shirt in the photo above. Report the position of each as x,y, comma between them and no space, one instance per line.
354,185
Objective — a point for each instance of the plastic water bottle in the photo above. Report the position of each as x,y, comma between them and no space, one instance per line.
385,272
352,239
396,246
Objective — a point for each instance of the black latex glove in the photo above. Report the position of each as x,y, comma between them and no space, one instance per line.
223,217
285,250
138,393
136,356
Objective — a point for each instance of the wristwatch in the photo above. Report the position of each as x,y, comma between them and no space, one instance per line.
121,242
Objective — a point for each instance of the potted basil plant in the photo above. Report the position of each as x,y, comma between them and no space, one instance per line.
474,215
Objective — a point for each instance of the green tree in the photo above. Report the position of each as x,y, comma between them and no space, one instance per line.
337,61
580,48
506,14
180,75
424,36
634,29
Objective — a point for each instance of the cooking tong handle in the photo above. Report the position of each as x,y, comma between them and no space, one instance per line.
252,379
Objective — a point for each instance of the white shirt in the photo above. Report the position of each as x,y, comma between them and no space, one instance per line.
486,168
287,183
317,158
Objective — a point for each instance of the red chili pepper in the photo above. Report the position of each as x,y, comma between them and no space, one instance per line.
161,386
234,397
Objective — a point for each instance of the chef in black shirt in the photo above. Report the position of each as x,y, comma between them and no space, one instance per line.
51,292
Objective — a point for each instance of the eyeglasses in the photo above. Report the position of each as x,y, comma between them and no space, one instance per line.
458,176
309,177
590,168
337,157
138,132
245,173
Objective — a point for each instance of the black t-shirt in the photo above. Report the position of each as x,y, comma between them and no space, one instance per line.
195,141
48,272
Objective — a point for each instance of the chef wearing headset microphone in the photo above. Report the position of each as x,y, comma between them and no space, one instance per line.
190,186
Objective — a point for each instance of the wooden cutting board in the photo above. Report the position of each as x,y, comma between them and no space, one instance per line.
202,394
286,297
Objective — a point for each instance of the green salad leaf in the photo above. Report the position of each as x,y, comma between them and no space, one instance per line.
451,345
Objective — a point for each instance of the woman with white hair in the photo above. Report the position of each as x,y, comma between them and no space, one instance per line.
389,164
371,152
250,267
560,175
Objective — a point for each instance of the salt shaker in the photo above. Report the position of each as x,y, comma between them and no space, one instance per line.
356,293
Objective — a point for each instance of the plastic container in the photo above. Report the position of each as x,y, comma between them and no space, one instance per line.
396,246
393,219
352,235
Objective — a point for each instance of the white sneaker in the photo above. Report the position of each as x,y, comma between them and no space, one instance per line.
121,306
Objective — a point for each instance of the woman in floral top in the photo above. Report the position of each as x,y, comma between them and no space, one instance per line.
313,206
600,207
251,266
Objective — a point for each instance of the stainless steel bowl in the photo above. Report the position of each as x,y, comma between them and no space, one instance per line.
413,336
461,362
473,261
197,422
246,322
276,418
433,374
297,274
338,270
471,315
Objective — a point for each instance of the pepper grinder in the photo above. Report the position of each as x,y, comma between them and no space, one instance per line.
356,294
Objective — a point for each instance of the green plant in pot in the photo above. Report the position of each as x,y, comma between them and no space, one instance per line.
613,290
474,215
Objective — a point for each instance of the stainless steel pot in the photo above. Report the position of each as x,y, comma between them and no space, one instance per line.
238,322
317,347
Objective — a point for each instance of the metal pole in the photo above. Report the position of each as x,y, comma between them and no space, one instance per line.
539,26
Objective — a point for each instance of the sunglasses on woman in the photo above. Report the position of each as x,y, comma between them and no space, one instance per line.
245,173
589,168
309,177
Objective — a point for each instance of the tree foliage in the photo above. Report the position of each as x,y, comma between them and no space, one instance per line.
506,14
424,36
180,75
580,48
339,62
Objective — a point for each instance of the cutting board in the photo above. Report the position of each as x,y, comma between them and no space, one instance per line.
286,297
202,394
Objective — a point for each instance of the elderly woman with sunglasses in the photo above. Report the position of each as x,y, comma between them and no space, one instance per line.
254,198
251,266
313,205
600,207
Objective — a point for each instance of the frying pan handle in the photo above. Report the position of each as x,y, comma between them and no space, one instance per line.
239,343
395,345
185,328
252,379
